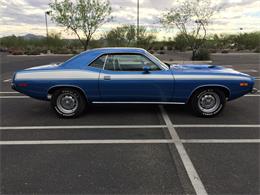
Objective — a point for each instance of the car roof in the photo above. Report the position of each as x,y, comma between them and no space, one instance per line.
90,55
117,50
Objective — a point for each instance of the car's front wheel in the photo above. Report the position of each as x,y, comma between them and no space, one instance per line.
208,102
68,102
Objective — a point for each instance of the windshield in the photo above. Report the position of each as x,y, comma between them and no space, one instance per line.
158,61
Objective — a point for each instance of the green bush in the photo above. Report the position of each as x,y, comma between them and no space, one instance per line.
225,51
257,50
32,52
62,51
35,51
201,54
17,52
169,48
75,52
181,42
213,50
161,52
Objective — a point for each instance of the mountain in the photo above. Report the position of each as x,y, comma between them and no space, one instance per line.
32,36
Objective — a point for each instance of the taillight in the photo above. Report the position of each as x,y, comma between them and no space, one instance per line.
243,84
23,84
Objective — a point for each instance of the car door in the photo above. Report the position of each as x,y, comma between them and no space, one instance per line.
124,79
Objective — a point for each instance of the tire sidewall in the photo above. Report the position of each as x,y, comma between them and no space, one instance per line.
75,93
197,96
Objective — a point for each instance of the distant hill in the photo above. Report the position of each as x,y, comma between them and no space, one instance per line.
32,36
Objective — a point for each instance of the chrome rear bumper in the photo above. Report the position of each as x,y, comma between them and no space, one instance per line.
254,90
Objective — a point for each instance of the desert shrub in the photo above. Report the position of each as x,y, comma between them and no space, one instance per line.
17,52
257,50
62,51
74,51
161,52
201,54
32,52
35,51
213,50
169,48
181,42
225,51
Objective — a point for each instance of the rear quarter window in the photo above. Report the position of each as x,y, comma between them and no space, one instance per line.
99,62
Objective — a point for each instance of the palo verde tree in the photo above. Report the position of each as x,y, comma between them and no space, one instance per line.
191,17
82,17
125,36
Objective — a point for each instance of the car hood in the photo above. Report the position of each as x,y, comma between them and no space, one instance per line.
204,69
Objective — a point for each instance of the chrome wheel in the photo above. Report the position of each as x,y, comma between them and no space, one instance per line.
208,102
67,103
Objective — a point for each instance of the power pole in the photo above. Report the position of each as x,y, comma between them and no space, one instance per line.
137,28
47,33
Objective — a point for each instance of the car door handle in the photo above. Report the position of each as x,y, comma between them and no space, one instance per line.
107,77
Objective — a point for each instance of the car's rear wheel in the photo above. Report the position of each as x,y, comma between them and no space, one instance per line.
208,102
68,103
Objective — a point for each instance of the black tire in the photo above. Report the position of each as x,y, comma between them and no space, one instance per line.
208,102
68,102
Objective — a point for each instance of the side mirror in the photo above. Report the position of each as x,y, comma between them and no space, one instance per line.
146,69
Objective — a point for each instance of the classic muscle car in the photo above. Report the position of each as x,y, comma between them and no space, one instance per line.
131,75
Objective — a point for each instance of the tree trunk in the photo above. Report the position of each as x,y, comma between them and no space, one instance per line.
85,45
194,53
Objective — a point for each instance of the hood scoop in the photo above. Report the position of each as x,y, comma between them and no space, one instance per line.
212,66
200,67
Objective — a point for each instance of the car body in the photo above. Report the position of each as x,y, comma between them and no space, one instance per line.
130,75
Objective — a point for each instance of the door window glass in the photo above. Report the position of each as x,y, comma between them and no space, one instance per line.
129,62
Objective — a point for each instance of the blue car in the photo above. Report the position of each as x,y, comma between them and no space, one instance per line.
131,75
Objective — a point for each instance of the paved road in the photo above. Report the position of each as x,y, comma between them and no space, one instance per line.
123,149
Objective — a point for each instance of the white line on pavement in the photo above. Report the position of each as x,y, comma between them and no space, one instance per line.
132,141
216,126
8,92
220,141
14,97
7,80
248,70
113,141
83,127
252,95
126,126
23,96
191,171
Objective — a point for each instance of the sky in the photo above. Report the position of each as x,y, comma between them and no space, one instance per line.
20,17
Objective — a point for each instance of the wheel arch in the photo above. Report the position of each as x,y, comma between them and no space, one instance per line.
225,89
54,88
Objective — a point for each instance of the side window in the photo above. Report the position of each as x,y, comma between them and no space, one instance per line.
129,62
99,63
